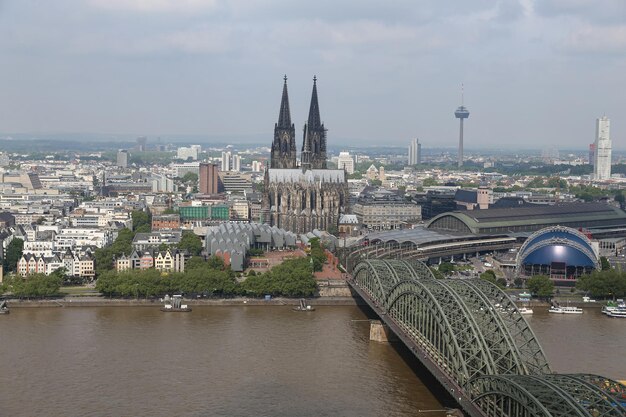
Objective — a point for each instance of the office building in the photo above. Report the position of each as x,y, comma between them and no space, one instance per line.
185,153
236,163
226,160
122,158
415,151
346,162
257,166
208,179
602,166
141,143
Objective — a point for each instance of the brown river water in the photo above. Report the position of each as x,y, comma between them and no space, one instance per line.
243,361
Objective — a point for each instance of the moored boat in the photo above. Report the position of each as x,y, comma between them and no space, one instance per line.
303,306
613,305
174,304
4,308
565,310
525,310
619,312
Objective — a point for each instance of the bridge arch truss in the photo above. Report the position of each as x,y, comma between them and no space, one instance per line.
477,338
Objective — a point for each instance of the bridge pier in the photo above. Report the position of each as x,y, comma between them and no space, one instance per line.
379,332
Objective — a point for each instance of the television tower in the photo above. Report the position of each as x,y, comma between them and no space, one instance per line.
461,113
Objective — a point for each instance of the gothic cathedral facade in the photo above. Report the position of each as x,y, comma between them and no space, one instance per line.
306,197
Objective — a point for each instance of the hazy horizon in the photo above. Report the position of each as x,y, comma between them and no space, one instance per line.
536,73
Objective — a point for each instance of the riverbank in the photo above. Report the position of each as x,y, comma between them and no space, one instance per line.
118,302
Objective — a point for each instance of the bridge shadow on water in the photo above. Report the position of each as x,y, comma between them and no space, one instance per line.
420,371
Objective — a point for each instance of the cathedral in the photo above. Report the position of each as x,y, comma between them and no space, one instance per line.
306,197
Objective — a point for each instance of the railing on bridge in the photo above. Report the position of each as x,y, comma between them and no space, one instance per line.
473,338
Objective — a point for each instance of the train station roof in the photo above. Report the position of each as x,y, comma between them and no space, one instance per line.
529,218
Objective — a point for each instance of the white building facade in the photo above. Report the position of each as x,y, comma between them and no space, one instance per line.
345,161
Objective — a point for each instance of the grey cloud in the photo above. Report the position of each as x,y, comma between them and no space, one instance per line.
387,70
593,11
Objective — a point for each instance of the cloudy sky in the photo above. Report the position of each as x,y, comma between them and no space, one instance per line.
536,72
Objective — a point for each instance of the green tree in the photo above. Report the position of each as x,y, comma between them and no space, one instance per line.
141,219
333,230
501,282
436,273
35,286
13,254
489,275
540,285
376,183
196,262
255,252
190,242
215,262
190,177
536,182
605,263
429,182
609,283
446,268
317,254
293,278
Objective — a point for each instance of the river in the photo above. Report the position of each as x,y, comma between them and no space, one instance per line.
241,361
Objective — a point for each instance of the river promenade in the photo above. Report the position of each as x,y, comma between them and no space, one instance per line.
92,301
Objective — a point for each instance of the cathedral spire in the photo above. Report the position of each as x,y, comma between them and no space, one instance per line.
316,133
305,156
283,155
314,110
284,117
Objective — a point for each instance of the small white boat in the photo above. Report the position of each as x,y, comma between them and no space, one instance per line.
525,310
565,310
613,306
619,312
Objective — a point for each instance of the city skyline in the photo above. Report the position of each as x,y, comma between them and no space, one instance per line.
387,75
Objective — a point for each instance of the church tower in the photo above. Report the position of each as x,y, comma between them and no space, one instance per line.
315,133
284,146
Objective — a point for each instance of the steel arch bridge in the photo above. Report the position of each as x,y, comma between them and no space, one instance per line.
472,338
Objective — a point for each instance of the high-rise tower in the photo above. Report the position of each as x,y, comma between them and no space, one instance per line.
602,157
284,146
315,133
414,152
461,113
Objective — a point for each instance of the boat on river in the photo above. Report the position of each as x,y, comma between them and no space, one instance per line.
174,304
4,308
303,306
613,306
620,313
525,310
565,310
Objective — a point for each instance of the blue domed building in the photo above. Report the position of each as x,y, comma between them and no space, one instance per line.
560,252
